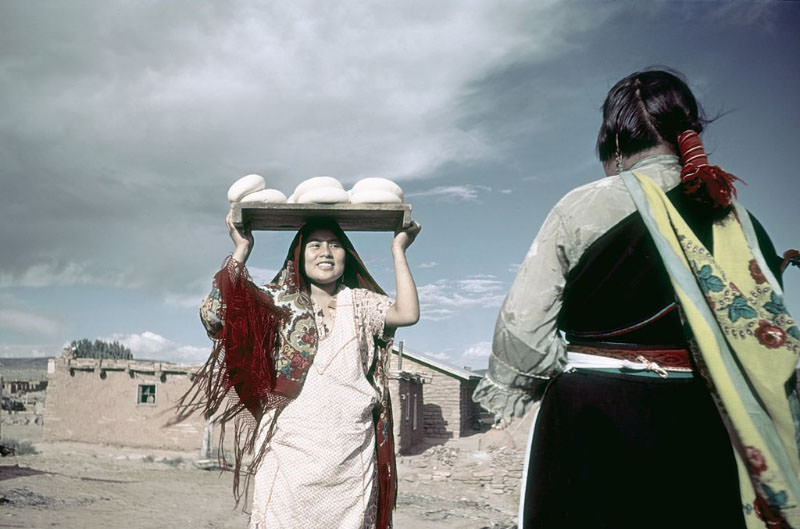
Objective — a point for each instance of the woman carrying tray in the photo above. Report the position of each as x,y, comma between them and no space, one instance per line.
299,367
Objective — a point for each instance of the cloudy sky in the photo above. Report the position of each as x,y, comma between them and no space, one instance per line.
124,123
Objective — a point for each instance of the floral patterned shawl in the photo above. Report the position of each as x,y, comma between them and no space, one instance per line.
746,346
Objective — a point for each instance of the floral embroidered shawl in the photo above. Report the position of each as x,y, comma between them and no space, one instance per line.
746,346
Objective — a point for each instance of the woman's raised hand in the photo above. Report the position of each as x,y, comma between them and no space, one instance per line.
404,237
242,239
405,310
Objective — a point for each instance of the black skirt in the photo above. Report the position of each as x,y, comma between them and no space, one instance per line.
630,451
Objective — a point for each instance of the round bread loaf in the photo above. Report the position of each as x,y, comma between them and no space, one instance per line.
244,186
323,195
374,197
272,196
375,183
316,182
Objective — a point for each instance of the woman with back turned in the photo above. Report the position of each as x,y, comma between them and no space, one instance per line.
673,400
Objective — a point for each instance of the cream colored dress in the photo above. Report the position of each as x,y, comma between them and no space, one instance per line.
319,469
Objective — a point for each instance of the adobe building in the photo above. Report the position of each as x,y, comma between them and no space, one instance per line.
22,375
448,411
13,387
120,402
128,402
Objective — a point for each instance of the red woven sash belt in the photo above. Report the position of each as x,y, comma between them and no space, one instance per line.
666,358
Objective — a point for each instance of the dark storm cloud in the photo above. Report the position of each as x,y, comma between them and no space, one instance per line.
126,122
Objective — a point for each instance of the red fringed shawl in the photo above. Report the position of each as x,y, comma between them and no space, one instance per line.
249,336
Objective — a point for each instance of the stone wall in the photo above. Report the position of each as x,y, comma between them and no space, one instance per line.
496,470
98,401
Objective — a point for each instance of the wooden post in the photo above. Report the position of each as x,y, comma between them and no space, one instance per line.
400,356
205,450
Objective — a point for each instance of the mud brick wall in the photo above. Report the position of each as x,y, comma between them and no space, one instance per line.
407,406
470,411
82,405
445,412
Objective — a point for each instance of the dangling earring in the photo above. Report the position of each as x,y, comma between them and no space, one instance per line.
618,156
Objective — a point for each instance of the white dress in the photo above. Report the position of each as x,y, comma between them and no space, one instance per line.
319,469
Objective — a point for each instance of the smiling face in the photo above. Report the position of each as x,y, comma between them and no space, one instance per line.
323,257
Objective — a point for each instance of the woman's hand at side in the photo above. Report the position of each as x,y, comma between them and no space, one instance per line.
242,240
405,310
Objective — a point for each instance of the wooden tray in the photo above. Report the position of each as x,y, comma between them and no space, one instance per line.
351,217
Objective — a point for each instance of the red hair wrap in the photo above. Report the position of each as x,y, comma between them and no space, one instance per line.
703,182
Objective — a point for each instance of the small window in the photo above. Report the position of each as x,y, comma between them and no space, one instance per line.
147,394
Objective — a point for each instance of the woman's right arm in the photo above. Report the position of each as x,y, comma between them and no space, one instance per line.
211,308
527,348
242,240
244,321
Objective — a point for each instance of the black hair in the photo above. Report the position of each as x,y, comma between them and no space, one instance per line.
355,274
647,108
324,223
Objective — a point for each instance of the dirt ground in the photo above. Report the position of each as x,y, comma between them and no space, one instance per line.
86,486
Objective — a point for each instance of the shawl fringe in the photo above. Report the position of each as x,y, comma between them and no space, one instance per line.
241,360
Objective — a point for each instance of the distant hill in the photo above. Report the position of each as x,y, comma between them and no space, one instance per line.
23,368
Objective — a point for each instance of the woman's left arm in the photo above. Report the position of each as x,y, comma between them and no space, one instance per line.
405,310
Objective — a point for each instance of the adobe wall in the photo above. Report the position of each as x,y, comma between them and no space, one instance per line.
442,407
470,410
82,405
407,413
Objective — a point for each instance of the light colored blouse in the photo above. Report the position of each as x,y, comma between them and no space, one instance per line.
528,348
